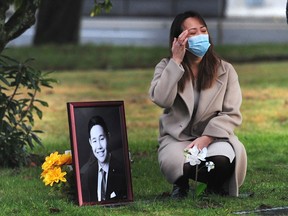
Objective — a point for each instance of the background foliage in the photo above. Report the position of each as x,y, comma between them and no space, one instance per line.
20,84
16,113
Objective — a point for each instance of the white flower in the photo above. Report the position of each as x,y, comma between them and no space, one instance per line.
192,159
210,165
194,156
202,154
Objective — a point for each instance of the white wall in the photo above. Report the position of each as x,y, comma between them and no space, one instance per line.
256,8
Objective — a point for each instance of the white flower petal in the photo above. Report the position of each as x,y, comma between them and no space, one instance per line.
198,161
210,165
194,156
202,154
194,161
194,150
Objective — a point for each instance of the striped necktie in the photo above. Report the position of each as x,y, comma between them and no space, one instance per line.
103,185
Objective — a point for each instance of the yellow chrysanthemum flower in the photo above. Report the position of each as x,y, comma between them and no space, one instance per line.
51,160
52,172
43,173
65,159
54,175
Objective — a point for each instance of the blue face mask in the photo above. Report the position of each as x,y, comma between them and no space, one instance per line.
199,44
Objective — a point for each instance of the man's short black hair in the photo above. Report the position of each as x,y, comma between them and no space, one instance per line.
98,120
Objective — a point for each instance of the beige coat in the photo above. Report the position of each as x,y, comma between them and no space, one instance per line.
217,115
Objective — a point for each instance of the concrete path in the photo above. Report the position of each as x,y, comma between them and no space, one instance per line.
151,32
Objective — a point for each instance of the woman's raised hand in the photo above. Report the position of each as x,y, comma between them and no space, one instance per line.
179,47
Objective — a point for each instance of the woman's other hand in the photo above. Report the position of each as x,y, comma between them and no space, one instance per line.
201,142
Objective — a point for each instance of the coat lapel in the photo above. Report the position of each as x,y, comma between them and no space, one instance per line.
206,99
188,96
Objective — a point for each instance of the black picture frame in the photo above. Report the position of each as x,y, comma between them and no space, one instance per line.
85,164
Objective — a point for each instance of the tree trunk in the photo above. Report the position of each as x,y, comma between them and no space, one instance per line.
287,11
58,22
21,20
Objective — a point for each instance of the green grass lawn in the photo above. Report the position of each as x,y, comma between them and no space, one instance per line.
264,133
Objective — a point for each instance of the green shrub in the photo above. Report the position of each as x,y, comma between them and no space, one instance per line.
19,84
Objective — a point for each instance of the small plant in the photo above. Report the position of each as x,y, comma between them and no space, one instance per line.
19,85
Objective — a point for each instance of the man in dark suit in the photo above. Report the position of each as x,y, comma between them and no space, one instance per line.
103,176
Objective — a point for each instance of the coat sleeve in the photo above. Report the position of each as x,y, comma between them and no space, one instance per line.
164,85
224,123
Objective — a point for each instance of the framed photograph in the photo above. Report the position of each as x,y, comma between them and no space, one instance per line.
100,152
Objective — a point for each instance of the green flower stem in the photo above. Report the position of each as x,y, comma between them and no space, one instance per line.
196,179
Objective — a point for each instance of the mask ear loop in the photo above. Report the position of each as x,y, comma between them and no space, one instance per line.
188,50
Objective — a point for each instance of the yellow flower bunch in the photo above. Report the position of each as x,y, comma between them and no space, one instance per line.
52,172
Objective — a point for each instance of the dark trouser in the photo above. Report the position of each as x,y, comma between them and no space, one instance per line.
214,179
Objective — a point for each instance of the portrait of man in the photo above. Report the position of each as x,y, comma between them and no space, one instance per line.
103,175
100,152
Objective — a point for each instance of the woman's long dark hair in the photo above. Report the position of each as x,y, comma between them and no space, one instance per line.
208,66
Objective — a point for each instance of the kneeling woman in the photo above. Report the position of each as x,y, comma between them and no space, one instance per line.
201,97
